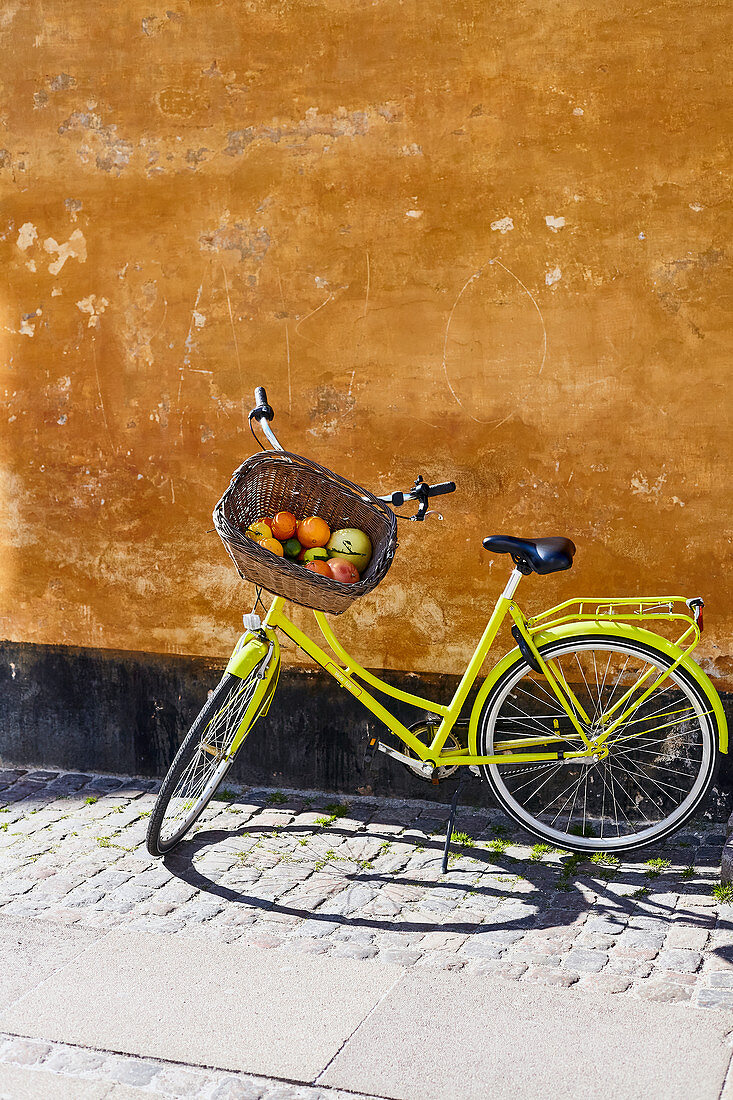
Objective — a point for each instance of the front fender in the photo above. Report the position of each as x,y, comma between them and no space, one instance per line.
621,630
248,651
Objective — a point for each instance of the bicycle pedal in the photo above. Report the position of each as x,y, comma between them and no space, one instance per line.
372,743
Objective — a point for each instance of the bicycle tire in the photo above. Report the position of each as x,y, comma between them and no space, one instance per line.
690,742
227,710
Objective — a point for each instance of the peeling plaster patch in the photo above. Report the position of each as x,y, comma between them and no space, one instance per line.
74,248
61,82
553,276
199,319
194,157
413,213
40,100
5,158
237,238
640,486
555,224
642,236
26,328
413,150
73,206
341,123
112,152
502,225
31,265
56,292
676,500
180,102
696,207
95,307
27,234
578,111
62,419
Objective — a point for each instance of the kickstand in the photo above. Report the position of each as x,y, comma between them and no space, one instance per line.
451,819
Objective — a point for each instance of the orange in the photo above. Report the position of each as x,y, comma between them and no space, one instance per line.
320,567
267,520
274,546
313,531
283,526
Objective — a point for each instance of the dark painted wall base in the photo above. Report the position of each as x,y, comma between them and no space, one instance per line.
107,711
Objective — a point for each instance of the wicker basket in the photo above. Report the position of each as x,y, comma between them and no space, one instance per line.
277,481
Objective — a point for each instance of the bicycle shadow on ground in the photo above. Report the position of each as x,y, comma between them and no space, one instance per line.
550,894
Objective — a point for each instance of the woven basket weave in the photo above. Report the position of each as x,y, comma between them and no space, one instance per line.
278,481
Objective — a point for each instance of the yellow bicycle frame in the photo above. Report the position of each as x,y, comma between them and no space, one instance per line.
617,617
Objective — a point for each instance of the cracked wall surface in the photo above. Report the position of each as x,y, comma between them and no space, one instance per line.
476,241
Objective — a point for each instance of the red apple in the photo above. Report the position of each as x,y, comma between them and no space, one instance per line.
343,571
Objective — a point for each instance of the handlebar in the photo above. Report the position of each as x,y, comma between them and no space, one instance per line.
263,413
421,492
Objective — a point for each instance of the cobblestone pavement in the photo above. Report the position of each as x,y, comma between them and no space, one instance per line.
314,873
146,1075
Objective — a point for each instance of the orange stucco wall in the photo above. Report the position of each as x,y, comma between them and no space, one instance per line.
474,240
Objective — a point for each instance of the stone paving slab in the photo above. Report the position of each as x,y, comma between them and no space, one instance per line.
312,874
464,1038
195,1000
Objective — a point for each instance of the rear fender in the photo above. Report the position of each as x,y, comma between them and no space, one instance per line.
621,630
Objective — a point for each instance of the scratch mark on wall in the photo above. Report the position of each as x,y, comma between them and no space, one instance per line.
368,284
287,342
312,314
236,347
99,393
476,275
535,303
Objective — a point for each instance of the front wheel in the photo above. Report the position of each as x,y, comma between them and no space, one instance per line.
208,752
660,763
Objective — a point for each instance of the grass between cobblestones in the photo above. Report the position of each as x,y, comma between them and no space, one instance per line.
288,871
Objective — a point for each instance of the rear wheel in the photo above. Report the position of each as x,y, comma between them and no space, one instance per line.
660,763
206,756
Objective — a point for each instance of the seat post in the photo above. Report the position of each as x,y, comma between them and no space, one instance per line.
511,585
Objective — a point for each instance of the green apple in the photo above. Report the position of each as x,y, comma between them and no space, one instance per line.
352,545
316,553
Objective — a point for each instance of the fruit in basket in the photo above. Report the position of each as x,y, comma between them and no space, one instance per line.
292,548
351,544
258,531
343,571
284,525
320,567
313,531
315,553
273,546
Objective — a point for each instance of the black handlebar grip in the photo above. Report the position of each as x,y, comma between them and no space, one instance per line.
441,490
262,411
398,499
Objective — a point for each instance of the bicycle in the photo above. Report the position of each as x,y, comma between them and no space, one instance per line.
594,733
